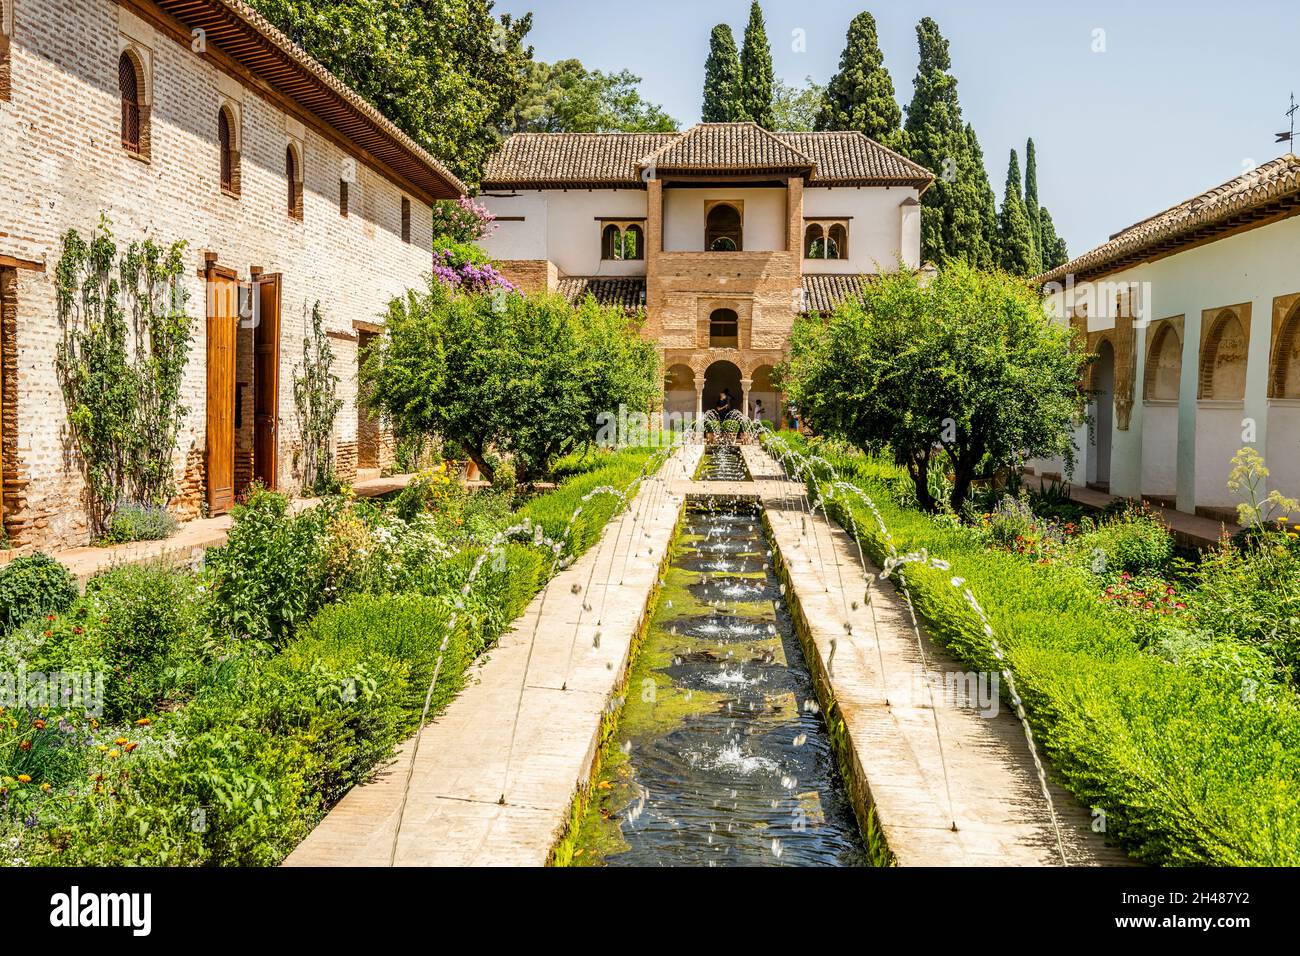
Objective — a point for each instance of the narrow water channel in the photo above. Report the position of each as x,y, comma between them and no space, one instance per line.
721,756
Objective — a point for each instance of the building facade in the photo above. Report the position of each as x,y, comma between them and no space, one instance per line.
195,120
723,234
1194,315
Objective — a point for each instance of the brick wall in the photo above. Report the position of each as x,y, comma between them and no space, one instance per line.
62,164
531,275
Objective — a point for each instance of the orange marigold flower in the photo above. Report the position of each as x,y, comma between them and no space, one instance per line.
38,724
120,740
25,745
131,746
24,778
143,722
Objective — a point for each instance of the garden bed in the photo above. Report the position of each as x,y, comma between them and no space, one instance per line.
1178,725
241,701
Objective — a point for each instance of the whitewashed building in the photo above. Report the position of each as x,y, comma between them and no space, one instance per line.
722,234
1194,314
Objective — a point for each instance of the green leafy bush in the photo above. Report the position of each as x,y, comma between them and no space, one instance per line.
270,576
1135,541
33,585
132,522
1252,593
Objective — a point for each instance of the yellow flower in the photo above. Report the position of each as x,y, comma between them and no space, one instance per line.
115,753
23,778
46,786
120,740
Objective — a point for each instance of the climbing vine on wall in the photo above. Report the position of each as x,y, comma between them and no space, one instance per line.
314,396
126,340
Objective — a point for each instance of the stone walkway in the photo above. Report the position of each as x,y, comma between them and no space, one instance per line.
193,538
876,676
488,789
1190,531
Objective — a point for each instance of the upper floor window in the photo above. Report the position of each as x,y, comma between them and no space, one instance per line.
826,240
228,145
406,219
723,228
130,86
724,329
343,198
622,241
293,174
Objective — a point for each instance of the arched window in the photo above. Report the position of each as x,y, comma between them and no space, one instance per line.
724,330
814,242
611,242
837,242
1286,358
294,176
228,146
1164,365
633,243
722,229
129,86
1223,359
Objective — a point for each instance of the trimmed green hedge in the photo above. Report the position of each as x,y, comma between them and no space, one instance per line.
1188,766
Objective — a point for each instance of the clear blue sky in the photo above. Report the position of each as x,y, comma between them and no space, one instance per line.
1184,94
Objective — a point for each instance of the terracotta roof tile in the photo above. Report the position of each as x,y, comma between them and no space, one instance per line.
851,158
627,291
823,293
592,160
1270,188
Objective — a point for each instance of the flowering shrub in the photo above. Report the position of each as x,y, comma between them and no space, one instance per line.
461,220
1153,595
467,268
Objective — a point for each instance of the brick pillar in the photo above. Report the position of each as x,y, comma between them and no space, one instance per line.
654,243
794,211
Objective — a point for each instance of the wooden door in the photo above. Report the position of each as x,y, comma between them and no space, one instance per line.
223,320
266,381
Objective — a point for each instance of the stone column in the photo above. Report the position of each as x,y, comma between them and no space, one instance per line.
745,384
699,401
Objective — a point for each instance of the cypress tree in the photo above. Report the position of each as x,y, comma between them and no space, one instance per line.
861,95
722,90
1055,253
756,71
984,254
1031,203
952,217
1015,240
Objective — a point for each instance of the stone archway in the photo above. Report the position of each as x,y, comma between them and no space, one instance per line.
718,376
679,389
762,390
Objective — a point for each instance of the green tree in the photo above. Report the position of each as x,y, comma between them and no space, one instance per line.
722,79
566,97
861,95
1015,236
983,253
446,72
1032,205
526,375
756,74
952,211
795,108
966,373
1055,253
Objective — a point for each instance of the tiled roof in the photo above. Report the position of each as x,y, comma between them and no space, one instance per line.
822,293
627,291
850,158
1268,190
560,160
727,147
250,40
539,160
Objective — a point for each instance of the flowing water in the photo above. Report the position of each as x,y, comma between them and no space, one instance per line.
721,756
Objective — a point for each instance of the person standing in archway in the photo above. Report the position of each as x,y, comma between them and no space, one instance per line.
758,409
724,403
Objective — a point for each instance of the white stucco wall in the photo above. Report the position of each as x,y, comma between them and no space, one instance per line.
763,210
881,229
563,226
1252,267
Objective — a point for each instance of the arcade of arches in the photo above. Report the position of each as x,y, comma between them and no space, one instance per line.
692,388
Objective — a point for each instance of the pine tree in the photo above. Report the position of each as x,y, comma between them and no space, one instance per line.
722,91
861,95
983,255
1015,240
1031,203
756,71
1055,254
953,218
